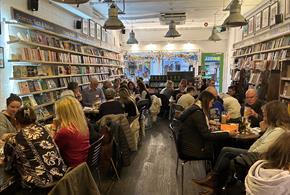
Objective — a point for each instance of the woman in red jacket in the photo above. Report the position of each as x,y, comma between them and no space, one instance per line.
72,136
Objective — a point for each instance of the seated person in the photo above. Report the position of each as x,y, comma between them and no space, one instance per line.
33,153
74,86
117,83
144,92
253,108
111,106
194,135
168,90
186,100
106,85
128,102
278,122
72,136
271,175
7,117
232,107
92,93
233,91
132,88
217,106
181,89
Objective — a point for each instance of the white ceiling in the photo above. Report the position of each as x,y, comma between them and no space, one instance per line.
145,13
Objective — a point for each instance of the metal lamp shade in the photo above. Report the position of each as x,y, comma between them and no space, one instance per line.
214,36
235,19
132,39
72,1
172,32
113,22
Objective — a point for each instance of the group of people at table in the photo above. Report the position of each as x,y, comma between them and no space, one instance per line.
40,156
270,174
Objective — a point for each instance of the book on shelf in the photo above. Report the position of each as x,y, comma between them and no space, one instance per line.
44,71
31,86
43,84
254,78
29,101
23,87
19,71
286,89
37,85
31,71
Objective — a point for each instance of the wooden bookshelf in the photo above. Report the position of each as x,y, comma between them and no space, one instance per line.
267,56
46,57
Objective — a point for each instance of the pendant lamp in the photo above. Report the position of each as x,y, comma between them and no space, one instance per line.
172,32
214,36
132,39
71,1
235,19
113,22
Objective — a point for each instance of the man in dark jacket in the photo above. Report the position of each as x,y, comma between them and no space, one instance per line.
253,108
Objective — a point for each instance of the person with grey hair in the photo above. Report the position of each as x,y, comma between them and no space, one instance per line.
253,108
92,93
106,85
111,106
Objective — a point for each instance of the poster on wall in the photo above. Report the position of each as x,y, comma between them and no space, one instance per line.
1,57
85,26
273,13
99,32
92,28
287,9
245,30
251,25
265,18
104,35
258,18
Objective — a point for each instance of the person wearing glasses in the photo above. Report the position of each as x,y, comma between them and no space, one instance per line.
252,109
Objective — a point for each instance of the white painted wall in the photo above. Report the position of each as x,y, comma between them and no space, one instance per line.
197,37
49,12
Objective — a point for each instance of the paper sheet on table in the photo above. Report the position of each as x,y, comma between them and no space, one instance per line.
230,127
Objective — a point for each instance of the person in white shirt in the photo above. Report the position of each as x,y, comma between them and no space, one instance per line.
232,107
187,99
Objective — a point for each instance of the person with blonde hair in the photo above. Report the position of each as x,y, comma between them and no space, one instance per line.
72,136
128,102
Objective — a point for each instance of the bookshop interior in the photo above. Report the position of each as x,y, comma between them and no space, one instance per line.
145,97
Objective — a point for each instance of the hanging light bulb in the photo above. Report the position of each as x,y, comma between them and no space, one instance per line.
132,39
235,19
72,1
113,22
214,35
172,32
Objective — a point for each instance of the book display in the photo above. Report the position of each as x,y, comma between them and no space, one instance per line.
263,64
44,62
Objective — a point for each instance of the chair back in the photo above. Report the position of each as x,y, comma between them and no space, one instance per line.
94,154
143,104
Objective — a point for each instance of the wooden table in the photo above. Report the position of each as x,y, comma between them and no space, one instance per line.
246,136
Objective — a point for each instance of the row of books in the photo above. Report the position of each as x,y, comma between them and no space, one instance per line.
263,62
32,54
34,71
26,87
53,41
268,45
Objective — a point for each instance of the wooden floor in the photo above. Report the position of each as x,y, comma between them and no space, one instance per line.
152,171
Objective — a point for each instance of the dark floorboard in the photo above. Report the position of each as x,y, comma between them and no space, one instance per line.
152,171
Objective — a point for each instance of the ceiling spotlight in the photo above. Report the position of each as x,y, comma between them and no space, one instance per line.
172,32
72,1
132,39
214,35
235,19
113,22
